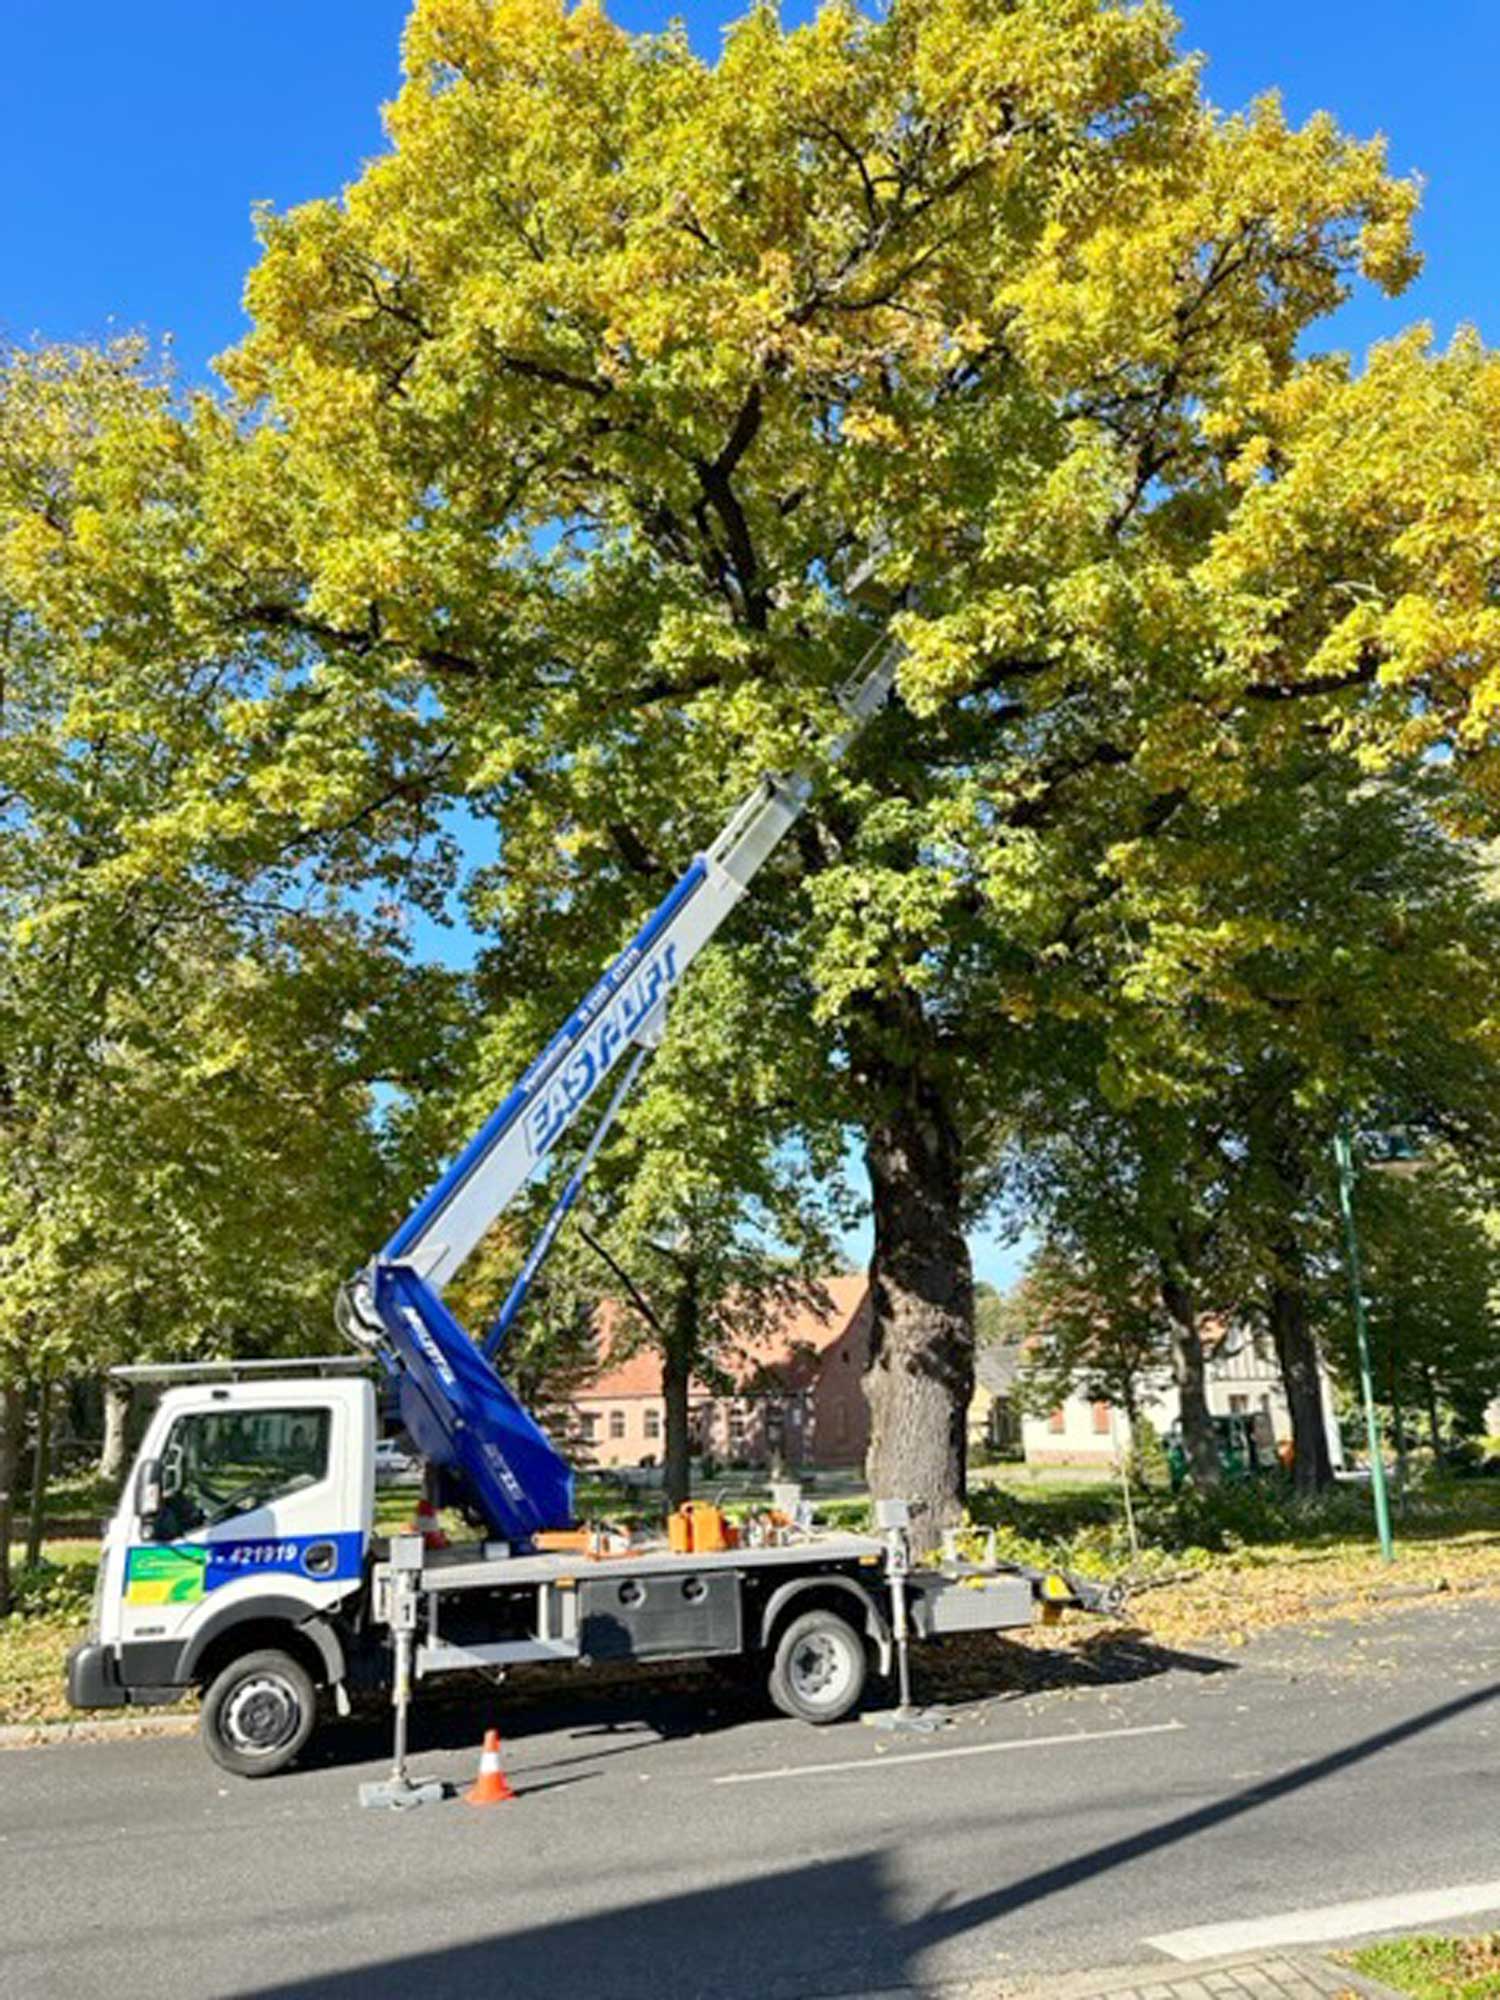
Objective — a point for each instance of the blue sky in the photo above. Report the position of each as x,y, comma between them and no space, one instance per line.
133,142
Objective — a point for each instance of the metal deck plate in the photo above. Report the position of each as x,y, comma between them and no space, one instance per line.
451,1570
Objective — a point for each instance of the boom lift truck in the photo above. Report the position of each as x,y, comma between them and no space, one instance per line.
242,1560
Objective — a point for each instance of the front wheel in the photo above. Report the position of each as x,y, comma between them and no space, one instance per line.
258,1713
818,1672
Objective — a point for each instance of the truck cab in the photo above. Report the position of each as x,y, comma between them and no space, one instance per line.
237,1557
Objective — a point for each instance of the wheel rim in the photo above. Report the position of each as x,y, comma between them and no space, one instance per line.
261,1715
821,1669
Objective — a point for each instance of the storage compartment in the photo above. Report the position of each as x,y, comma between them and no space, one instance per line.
659,1614
942,1604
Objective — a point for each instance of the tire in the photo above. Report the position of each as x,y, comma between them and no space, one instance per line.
258,1713
818,1670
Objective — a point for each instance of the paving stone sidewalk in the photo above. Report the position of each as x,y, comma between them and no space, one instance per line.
1266,1976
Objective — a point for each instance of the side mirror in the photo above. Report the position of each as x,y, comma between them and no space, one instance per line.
148,1489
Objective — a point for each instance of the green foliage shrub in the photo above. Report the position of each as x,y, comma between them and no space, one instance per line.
1148,1455
60,1592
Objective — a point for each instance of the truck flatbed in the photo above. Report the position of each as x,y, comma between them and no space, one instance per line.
464,1569
477,1609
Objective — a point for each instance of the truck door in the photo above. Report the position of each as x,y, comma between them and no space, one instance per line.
250,1503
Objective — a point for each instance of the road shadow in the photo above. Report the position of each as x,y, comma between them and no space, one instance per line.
828,1927
625,1710
982,1667
617,1715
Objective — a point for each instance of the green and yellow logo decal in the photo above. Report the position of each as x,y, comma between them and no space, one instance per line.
173,1575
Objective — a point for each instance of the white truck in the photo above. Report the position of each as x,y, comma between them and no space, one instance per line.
243,1562
243,1559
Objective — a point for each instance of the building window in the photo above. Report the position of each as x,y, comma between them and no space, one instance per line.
653,1423
617,1423
588,1423
1239,1406
1057,1422
1101,1419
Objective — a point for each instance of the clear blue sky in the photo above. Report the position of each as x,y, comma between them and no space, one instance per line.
133,142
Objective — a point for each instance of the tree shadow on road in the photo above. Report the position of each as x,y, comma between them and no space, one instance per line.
619,1716
644,1707
984,1668
829,1927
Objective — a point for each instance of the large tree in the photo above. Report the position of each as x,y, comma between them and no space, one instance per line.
585,398
590,390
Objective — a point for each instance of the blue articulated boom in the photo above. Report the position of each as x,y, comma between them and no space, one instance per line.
494,1456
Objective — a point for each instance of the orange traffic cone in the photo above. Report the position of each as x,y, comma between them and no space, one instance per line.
492,1787
428,1526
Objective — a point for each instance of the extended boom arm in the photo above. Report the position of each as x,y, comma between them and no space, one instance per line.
458,1411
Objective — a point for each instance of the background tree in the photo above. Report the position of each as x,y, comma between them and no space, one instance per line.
1431,1297
193,1015
1311,948
1132,1198
1089,1332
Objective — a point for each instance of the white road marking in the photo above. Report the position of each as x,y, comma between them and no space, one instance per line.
1333,1920
899,1759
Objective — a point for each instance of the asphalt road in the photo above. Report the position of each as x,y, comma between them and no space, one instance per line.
663,1848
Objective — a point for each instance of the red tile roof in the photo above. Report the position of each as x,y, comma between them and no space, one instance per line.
791,1351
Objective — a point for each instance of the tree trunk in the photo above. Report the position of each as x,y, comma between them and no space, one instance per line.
1398,1434
921,1374
1189,1372
1434,1426
1297,1356
679,1351
1279,1145
116,1420
12,1424
40,1466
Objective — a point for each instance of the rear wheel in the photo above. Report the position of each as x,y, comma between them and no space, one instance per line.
258,1713
818,1671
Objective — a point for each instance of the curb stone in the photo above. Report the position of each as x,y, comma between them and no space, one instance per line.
1301,1975
30,1735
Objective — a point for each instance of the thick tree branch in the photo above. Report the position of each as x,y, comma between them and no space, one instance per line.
1358,676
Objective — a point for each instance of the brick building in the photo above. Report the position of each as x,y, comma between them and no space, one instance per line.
800,1386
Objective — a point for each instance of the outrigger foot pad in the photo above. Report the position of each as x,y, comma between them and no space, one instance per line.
908,1721
400,1794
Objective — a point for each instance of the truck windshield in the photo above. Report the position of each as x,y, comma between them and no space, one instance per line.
220,1463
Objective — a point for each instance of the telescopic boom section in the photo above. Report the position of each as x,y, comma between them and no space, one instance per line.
460,1414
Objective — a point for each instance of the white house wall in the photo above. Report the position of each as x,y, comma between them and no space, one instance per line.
1245,1381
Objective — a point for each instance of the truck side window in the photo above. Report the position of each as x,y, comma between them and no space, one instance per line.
220,1463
